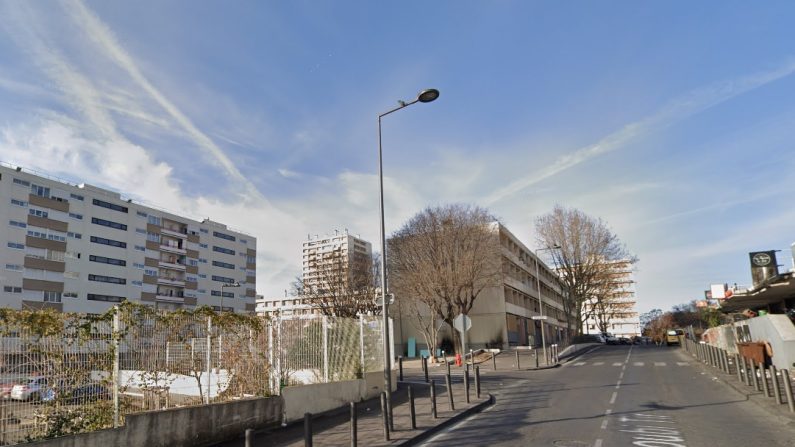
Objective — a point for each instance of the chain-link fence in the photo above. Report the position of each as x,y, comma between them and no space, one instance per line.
62,374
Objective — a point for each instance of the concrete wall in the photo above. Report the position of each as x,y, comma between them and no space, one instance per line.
321,397
775,329
189,426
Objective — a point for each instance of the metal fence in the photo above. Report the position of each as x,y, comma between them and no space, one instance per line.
64,373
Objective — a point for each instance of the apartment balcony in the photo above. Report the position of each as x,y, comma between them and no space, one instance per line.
173,233
173,249
171,281
171,266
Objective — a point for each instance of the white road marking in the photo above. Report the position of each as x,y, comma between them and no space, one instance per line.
682,363
598,363
597,443
659,364
618,384
638,363
604,424
621,376
613,397
617,364
608,412
579,363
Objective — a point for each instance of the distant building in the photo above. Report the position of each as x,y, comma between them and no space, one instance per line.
80,248
617,313
329,263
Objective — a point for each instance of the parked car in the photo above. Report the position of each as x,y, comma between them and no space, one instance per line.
624,341
81,394
30,388
610,339
5,387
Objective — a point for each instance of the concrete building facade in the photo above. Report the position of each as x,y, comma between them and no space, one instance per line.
619,315
502,316
80,248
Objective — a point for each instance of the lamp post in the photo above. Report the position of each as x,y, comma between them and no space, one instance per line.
424,96
540,302
228,284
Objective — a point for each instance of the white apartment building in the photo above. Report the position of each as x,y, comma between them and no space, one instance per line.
80,248
331,258
619,316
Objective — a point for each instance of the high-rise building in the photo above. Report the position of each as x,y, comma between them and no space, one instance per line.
80,248
342,256
615,311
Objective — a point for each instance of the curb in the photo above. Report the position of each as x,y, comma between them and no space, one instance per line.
453,420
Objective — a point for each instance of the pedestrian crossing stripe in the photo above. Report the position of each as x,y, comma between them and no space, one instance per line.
579,363
617,364
598,363
659,364
638,363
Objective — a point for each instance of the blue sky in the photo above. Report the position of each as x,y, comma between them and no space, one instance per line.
672,121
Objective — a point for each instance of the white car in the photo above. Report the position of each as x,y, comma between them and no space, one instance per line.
32,389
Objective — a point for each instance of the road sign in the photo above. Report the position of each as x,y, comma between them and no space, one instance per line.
537,317
462,323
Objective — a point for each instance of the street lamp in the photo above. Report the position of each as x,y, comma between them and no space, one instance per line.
228,284
424,96
540,302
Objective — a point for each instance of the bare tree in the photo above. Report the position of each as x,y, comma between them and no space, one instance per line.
443,258
340,284
588,249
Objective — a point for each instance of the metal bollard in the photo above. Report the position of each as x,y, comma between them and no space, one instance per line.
754,378
746,372
448,368
425,364
307,429
354,425
433,399
765,387
494,361
536,356
249,437
466,385
788,390
449,392
776,388
477,381
412,411
737,367
472,359
400,368
385,415
517,359
724,361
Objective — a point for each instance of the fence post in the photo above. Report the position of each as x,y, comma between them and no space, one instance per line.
307,429
765,386
116,346
325,349
278,355
517,359
788,390
449,392
354,425
433,399
477,381
400,368
361,340
209,355
466,384
776,388
412,411
385,415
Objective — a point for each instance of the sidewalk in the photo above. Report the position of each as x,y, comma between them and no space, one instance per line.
504,361
333,428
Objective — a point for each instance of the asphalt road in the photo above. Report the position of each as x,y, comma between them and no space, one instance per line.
618,396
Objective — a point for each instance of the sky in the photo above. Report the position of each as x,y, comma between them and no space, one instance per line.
674,121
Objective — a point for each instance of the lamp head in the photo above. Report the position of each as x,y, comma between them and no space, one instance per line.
428,95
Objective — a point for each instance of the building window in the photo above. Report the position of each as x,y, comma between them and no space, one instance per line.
223,250
74,235
203,245
52,297
110,206
154,220
11,289
251,259
14,267
191,279
137,283
150,272
104,260
40,191
223,294
223,279
21,182
108,223
77,197
140,231
111,242
16,245
138,265
76,216
38,213
193,262
202,276
225,265
19,202
108,279
69,294
141,214
14,223
243,241
154,237
203,230
140,248
203,261
71,275
108,298
228,237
